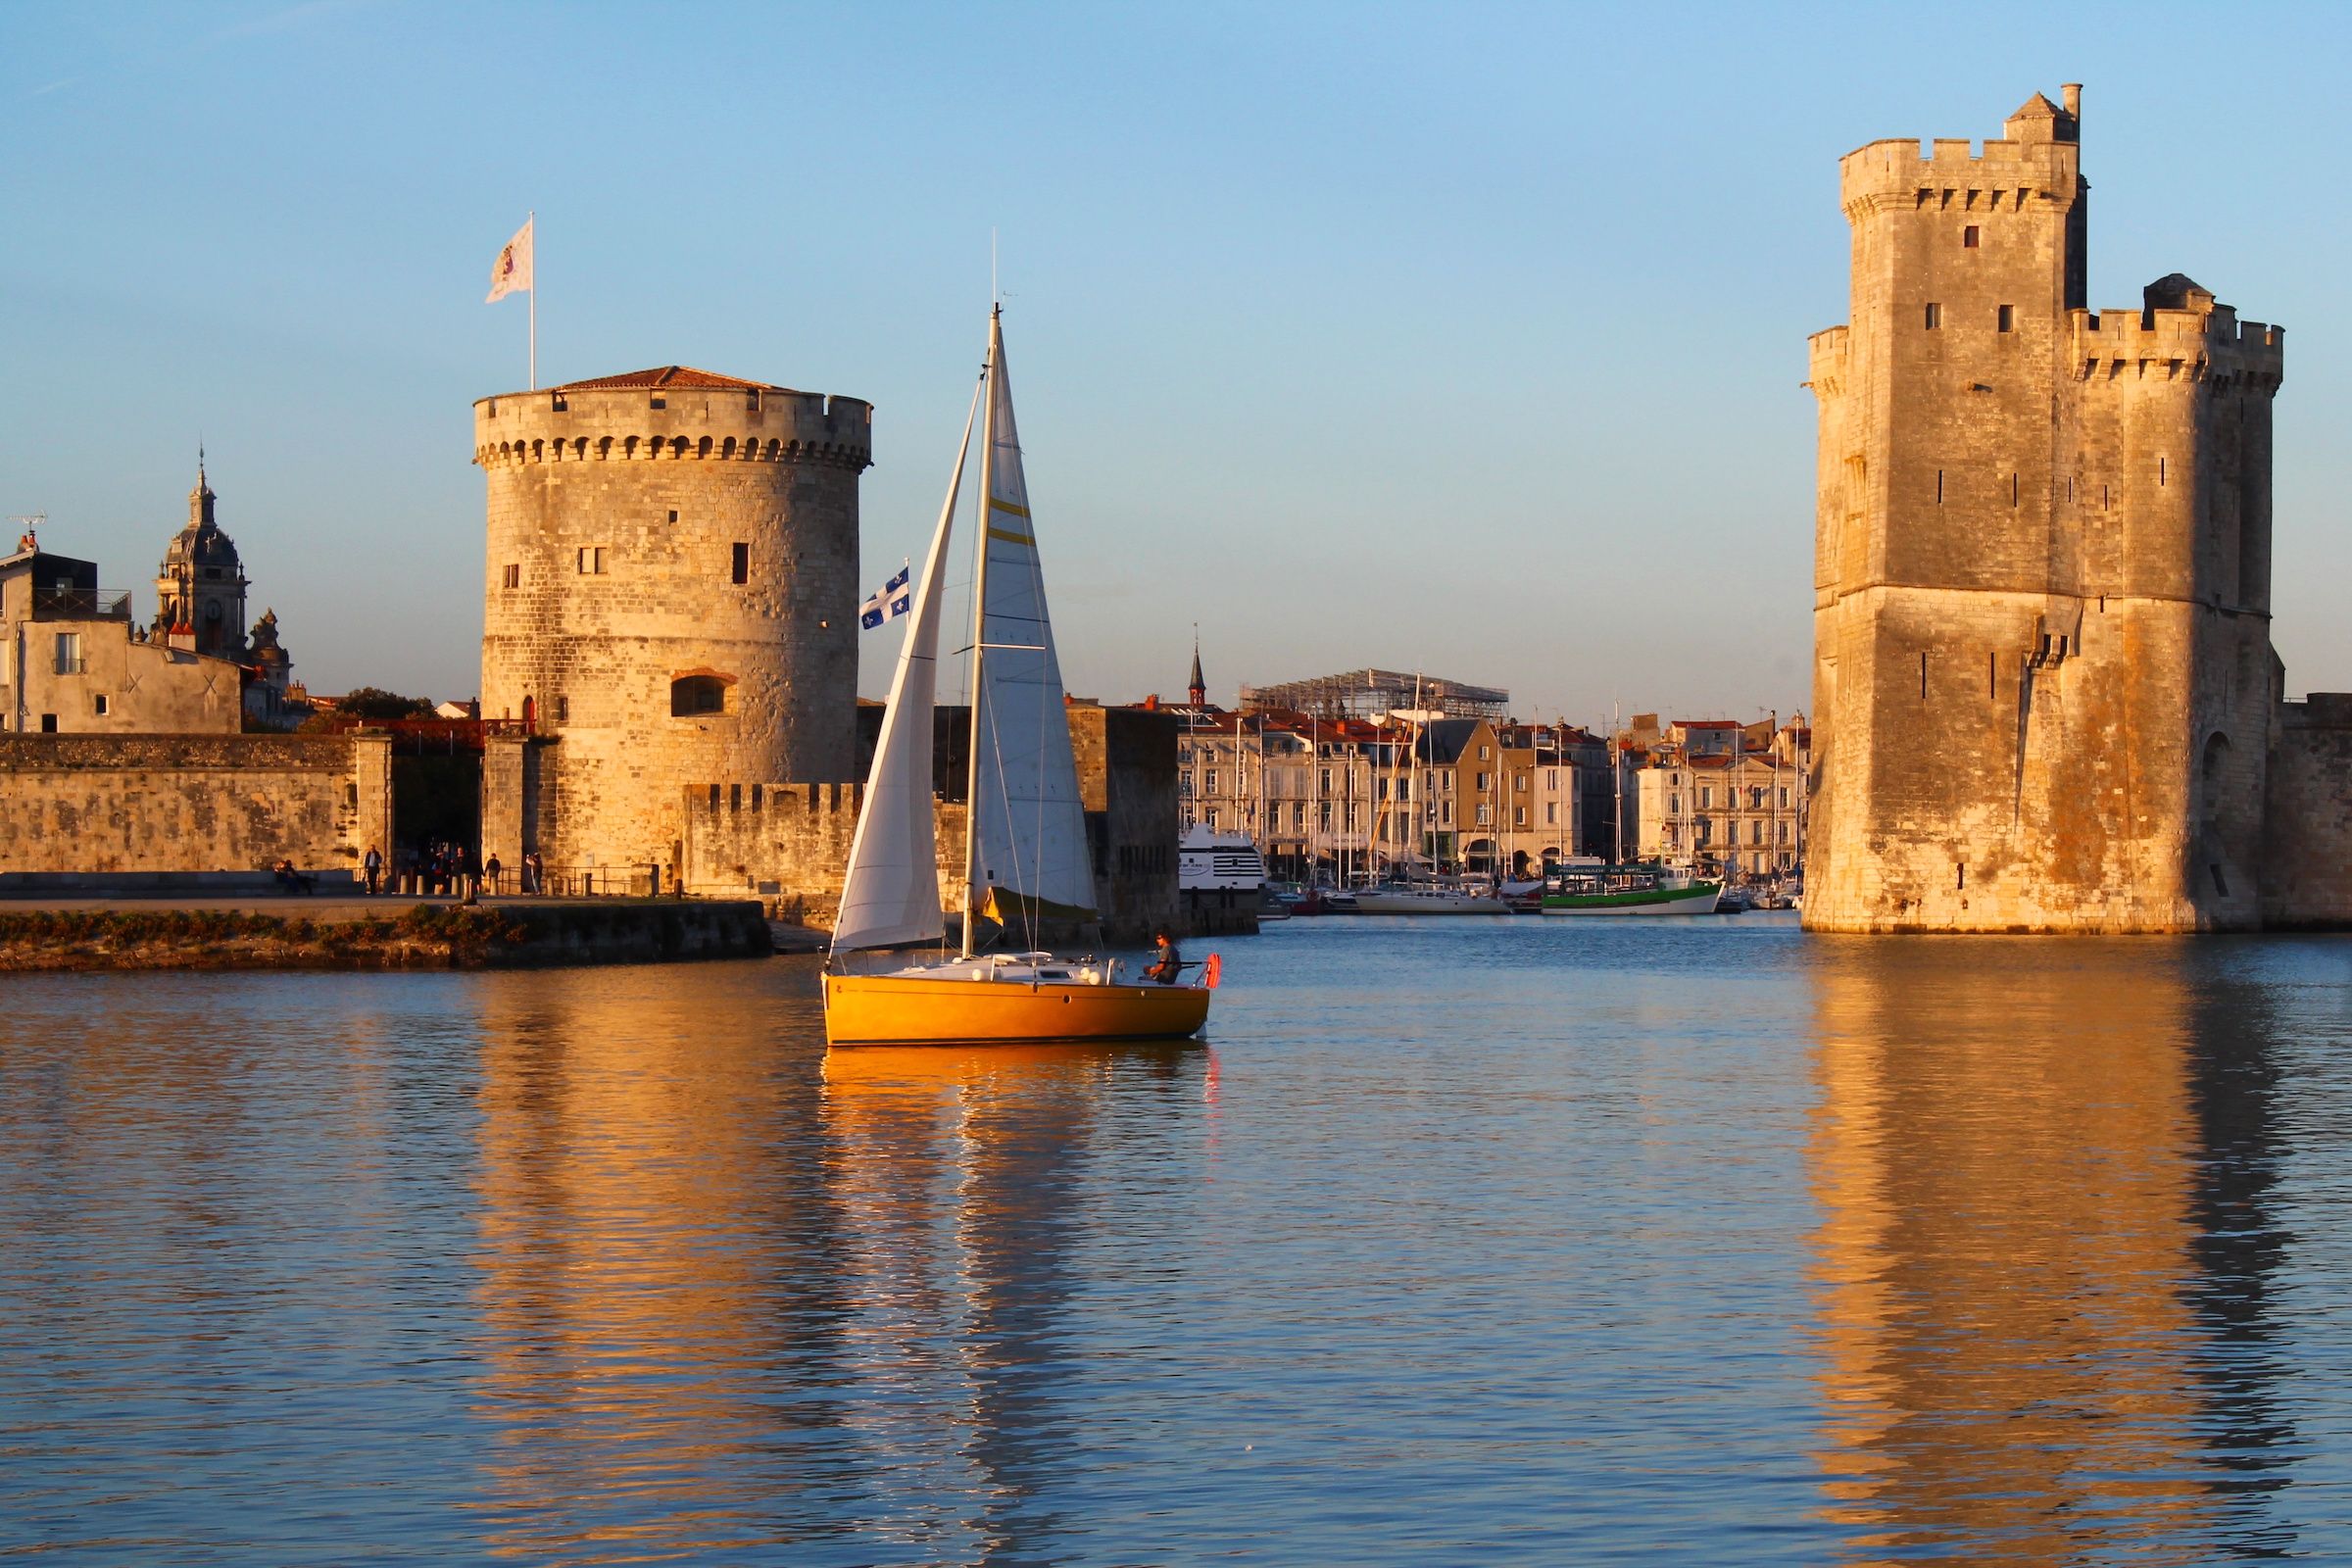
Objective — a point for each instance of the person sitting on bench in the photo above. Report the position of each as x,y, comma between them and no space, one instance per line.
291,880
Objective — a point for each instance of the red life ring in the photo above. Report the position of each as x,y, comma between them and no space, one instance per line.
1212,971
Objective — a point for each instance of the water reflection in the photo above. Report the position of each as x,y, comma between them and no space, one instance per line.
958,1174
2042,1256
654,1298
733,1293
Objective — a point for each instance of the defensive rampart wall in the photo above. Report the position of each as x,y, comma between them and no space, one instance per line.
117,803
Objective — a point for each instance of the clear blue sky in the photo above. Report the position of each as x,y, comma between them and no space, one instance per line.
1460,337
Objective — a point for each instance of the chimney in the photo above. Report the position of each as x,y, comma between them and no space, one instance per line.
2071,96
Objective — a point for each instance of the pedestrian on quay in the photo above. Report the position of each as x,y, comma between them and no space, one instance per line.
493,870
464,874
373,864
534,873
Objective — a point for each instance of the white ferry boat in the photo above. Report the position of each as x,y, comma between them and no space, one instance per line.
1218,862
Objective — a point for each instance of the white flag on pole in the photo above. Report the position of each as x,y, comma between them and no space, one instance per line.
512,273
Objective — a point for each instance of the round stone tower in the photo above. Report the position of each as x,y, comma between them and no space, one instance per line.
671,598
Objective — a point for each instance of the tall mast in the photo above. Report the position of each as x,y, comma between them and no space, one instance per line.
971,760
1616,784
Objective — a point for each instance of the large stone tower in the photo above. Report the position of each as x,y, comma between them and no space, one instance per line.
2043,683
671,597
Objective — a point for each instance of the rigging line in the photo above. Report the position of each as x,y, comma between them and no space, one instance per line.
1031,916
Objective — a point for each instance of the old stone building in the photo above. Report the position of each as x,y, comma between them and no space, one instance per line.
2045,692
73,662
671,597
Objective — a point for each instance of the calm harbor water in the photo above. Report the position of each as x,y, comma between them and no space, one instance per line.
1686,1242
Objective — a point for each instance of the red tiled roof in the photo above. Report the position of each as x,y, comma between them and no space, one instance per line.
684,378
1706,724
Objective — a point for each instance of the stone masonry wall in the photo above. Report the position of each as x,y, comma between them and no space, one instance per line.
192,803
2308,839
789,845
1127,782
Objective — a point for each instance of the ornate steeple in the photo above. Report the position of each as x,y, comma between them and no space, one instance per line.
1198,691
201,499
200,589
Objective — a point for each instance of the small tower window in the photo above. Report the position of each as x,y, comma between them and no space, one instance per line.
2008,318
1968,238
660,403
743,562
592,560
673,514
511,575
693,695
1934,316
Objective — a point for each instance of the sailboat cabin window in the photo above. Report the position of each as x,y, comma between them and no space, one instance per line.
694,694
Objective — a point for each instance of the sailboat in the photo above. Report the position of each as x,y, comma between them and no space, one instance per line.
1025,848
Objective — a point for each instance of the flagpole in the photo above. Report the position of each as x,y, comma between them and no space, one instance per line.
531,222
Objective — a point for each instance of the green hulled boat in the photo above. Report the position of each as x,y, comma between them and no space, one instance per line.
1622,890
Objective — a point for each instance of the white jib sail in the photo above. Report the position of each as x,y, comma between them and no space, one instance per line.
890,893
1028,853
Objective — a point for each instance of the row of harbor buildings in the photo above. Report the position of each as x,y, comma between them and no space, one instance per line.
1375,774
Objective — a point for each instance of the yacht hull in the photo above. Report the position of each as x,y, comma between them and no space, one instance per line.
1700,900
955,1008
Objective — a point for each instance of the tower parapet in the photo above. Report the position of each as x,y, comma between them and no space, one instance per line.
670,593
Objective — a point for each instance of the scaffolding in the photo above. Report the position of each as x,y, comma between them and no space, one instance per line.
1373,694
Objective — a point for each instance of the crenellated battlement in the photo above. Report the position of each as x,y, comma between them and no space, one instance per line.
2178,344
1955,177
2036,162
1827,354
672,416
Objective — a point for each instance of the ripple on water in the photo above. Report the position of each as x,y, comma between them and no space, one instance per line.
1500,1240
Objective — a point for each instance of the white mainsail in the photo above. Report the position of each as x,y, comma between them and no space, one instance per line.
890,893
1027,854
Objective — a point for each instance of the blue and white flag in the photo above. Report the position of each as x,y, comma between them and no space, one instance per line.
891,601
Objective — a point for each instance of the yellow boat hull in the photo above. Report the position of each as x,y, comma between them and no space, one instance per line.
901,1009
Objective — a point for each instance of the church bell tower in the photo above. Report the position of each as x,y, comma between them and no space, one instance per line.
200,590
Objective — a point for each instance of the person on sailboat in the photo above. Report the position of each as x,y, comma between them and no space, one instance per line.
1170,965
